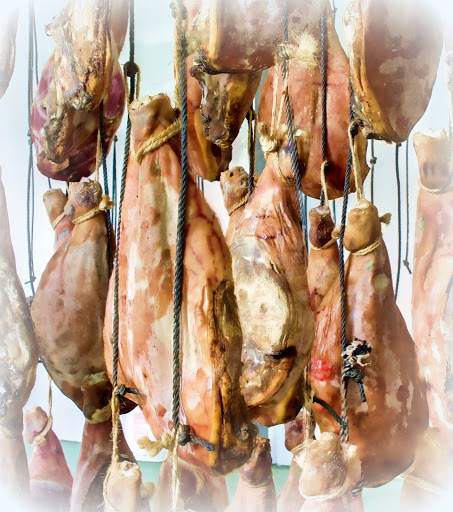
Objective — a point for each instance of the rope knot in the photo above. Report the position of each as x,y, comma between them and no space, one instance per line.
131,69
373,160
122,390
106,203
353,356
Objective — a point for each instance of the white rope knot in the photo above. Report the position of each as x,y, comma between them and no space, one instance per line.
356,354
105,204
153,448
271,142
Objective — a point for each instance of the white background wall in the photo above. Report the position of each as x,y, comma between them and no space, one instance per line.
154,33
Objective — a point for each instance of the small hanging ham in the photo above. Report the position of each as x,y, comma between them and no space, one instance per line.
432,298
8,30
393,69
330,470
50,477
211,342
206,159
241,36
65,139
69,305
386,427
304,88
256,488
89,36
55,201
199,490
269,268
18,360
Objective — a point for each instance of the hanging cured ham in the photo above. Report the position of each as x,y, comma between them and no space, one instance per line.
68,316
433,271
304,88
55,201
226,100
256,485
269,268
94,460
18,360
242,36
199,490
393,69
323,261
205,158
89,36
65,139
50,477
386,427
330,470
8,29
211,402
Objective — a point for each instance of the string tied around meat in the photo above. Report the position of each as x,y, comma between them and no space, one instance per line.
369,248
158,140
423,484
356,354
441,190
105,204
58,220
40,439
325,246
243,200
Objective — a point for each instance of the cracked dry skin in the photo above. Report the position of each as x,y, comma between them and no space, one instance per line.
211,342
242,36
393,69
89,36
205,158
50,477
226,100
269,268
69,306
305,93
8,30
432,297
65,139
386,427
55,201
256,485
200,490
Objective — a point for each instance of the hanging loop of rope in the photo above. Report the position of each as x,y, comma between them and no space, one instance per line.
252,137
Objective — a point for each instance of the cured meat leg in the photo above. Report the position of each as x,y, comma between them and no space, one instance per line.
8,29
269,268
234,186
386,427
226,100
69,305
18,360
199,490
124,489
323,261
242,36
55,201
433,270
94,460
329,472
50,478
211,402
304,88
393,69
256,485
205,158
66,139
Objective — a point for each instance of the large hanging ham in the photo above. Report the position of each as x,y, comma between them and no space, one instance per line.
211,402
199,490
386,427
256,486
89,36
304,88
65,139
18,360
269,268
8,29
55,201
393,68
241,36
433,271
69,305
50,477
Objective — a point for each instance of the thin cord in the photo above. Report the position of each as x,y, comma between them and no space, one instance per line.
398,189
373,163
251,116
114,185
406,258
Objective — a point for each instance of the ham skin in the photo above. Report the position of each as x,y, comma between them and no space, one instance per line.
8,30
55,201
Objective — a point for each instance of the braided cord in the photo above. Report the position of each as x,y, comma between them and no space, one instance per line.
251,116
114,185
406,258
398,189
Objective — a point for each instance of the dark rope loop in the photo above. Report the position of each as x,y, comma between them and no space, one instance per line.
131,69
123,390
329,409
186,437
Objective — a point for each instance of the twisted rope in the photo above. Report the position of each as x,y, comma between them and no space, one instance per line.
114,186
58,220
103,206
406,258
398,189
156,141
252,136
40,439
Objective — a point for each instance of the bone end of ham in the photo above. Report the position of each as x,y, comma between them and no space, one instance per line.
124,488
50,477
392,70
